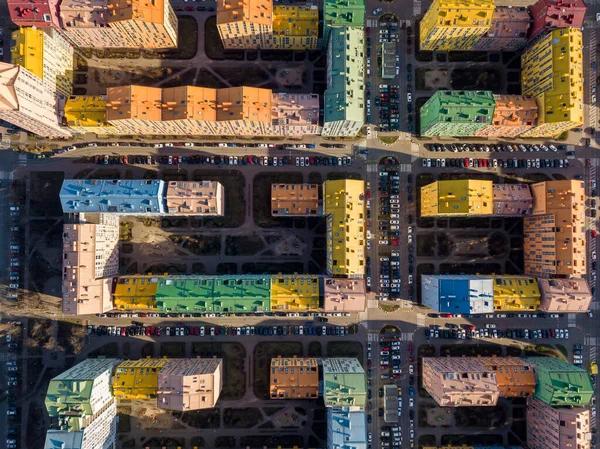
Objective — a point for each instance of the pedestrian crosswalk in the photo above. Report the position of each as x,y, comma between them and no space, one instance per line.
408,336
371,168
572,320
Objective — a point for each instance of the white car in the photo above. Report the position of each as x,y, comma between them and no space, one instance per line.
490,326
377,11
411,402
212,331
202,331
409,97
411,369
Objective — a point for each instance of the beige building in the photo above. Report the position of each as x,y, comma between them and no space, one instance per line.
90,259
190,384
460,381
344,295
195,198
508,30
245,24
557,428
565,295
554,237
300,200
119,23
295,114
512,200
514,376
294,378
26,102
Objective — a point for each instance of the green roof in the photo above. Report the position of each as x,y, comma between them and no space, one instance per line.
68,396
345,95
337,13
457,112
561,384
214,294
344,383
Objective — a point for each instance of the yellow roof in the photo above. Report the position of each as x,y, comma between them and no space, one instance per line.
28,51
136,292
457,197
343,201
512,293
86,110
293,292
295,20
137,379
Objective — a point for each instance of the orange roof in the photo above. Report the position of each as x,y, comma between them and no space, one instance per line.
133,102
253,11
515,110
143,10
244,103
189,103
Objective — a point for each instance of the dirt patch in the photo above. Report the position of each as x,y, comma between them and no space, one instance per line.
247,245
203,419
241,418
345,349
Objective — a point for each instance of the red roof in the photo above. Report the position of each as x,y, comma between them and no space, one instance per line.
551,14
39,13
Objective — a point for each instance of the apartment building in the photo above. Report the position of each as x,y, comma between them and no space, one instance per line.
115,196
344,207
458,293
295,114
295,200
513,115
463,197
245,24
457,112
47,55
27,103
346,429
552,72
460,382
549,15
516,294
342,14
190,384
344,295
135,109
344,383
198,198
344,103
560,384
119,24
294,378
295,26
137,379
565,295
554,236
514,376
90,259
453,25
82,408
295,293
512,200
86,114
508,30
135,292
214,294
557,428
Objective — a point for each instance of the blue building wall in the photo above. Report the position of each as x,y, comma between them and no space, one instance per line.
458,294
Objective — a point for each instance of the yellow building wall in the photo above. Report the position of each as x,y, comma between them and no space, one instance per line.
455,24
135,292
28,50
344,205
464,197
559,96
516,293
294,293
87,114
137,379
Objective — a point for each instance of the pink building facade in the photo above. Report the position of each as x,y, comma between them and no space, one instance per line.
190,384
551,14
557,428
565,295
512,200
344,295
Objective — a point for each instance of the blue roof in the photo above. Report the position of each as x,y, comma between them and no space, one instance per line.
346,430
135,197
458,294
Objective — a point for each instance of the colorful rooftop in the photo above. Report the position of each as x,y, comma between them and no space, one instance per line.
344,383
294,293
561,384
342,13
137,379
139,196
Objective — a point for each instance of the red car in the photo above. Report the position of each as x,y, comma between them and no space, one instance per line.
593,233
189,8
445,315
